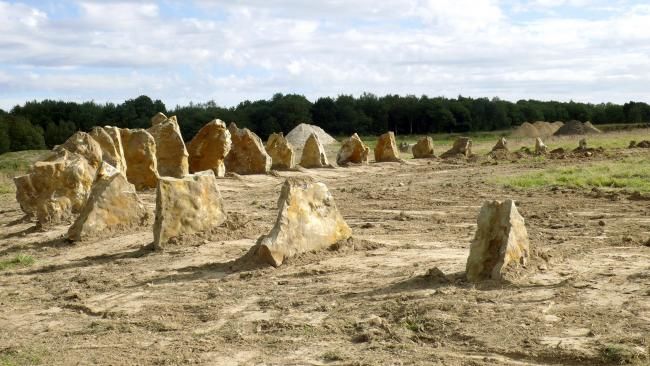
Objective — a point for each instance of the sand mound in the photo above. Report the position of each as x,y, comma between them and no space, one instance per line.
576,128
300,133
526,130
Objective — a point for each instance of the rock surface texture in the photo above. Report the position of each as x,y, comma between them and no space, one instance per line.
113,206
281,151
85,145
187,206
209,148
111,143
313,154
171,154
501,240
540,147
386,148
423,148
502,144
308,220
248,155
462,147
140,156
354,151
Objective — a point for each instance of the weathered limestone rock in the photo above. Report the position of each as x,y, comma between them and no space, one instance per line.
113,206
308,220
82,144
171,154
501,239
111,144
353,151
140,156
540,147
313,154
160,117
248,155
386,148
502,144
208,149
423,148
55,189
281,151
187,206
462,146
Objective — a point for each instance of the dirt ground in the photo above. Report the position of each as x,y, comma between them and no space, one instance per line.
584,299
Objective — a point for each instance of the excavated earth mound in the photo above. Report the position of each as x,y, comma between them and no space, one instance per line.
299,135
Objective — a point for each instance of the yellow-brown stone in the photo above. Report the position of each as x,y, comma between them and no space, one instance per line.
353,150
247,155
209,148
386,148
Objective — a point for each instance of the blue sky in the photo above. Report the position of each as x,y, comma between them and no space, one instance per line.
232,50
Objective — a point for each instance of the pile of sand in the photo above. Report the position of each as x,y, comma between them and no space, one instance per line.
577,128
537,129
300,133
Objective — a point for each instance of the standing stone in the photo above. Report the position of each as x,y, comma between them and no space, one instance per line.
423,148
313,154
171,154
140,156
160,117
248,155
57,188
540,147
502,144
281,151
501,239
208,149
582,145
82,144
187,206
112,149
386,148
308,220
353,151
462,146
112,207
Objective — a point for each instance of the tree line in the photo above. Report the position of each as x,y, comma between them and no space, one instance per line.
44,124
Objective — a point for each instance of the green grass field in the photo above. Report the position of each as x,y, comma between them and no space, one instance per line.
632,174
16,163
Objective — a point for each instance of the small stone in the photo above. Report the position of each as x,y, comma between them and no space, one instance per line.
423,148
386,148
353,150
462,147
313,154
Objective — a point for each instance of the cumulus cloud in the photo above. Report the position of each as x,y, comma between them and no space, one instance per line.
246,49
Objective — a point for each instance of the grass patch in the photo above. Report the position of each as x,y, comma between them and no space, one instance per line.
621,355
631,174
16,163
20,260
331,356
17,357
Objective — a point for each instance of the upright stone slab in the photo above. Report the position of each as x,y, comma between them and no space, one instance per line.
140,156
85,145
540,147
386,148
313,154
353,151
423,148
112,207
187,206
160,117
502,144
248,155
112,149
209,148
462,147
281,151
171,154
501,240
308,220
54,190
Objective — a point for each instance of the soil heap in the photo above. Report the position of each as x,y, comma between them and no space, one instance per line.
299,135
576,128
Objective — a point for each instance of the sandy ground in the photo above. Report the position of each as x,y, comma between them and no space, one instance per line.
583,300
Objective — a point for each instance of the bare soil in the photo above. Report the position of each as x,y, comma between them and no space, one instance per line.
395,294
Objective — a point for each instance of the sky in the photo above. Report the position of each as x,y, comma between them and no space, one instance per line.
233,50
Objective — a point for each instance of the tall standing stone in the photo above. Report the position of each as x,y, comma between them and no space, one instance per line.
171,154
386,148
248,155
209,148
423,148
140,156
82,144
281,151
113,206
308,220
353,150
112,149
501,240
313,154
187,206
